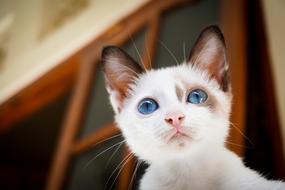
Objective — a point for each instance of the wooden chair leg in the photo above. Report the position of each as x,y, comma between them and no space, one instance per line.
99,136
71,126
126,175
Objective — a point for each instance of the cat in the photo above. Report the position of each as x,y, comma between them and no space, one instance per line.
177,119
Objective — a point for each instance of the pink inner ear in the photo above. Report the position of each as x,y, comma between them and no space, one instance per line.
120,72
118,87
209,53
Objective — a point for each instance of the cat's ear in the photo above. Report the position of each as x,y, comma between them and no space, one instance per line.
120,71
209,53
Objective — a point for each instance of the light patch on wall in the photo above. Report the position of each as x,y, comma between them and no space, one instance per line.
5,26
57,12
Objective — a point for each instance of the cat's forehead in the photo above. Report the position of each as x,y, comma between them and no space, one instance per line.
182,76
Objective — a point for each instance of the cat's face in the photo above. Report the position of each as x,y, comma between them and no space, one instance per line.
175,111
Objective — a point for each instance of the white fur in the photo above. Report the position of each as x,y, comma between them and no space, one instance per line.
202,163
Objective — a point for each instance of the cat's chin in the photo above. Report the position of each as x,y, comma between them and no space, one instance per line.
178,139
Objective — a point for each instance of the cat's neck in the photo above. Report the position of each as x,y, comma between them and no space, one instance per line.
193,161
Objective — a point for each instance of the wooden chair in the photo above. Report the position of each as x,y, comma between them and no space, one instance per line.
149,16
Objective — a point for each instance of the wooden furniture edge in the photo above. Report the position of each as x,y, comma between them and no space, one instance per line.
34,97
95,138
233,22
77,102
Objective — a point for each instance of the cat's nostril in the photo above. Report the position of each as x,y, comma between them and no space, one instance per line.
175,119
169,120
180,118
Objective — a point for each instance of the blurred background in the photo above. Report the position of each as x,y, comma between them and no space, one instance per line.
56,123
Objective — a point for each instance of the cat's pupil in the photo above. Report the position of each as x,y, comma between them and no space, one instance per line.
147,106
197,97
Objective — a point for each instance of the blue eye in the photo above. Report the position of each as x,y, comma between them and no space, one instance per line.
147,106
197,97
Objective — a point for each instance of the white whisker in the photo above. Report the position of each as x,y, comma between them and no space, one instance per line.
238,130
147,51
94,158
238,145
130,156
184,51
168,50
114,136
119,165
141,60
134,173
109,160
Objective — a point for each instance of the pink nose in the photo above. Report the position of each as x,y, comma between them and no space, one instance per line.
175,119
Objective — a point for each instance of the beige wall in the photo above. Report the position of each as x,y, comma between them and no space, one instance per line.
28,57
275,25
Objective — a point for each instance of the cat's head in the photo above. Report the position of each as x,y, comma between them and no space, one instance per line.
172,111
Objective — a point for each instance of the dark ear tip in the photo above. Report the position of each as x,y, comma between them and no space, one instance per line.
107,50
214,30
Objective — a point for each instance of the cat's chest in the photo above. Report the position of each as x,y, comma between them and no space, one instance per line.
179,179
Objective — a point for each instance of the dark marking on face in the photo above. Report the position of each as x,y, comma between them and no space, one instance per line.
211,102
179,93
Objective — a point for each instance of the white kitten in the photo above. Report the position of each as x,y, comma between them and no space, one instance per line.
177,119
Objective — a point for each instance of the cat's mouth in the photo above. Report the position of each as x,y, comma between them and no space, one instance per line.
177,136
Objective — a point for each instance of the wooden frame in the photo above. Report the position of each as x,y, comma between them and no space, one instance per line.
80,68
61,79
233,21
117,35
